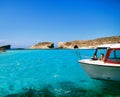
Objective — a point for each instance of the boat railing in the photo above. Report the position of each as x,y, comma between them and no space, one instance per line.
82,56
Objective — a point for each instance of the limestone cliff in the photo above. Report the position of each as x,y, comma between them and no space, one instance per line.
89,43
43,45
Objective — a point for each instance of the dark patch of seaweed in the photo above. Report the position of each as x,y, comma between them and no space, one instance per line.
45,92
69,89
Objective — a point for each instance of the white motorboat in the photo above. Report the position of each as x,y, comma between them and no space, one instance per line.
107,68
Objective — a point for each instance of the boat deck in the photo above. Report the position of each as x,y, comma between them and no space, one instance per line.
98,62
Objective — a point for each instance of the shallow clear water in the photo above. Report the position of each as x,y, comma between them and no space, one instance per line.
54,73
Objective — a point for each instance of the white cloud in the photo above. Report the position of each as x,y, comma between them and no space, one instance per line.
2,41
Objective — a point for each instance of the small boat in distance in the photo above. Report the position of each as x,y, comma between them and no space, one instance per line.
108,66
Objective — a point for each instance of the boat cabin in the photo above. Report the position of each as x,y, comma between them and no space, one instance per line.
110,52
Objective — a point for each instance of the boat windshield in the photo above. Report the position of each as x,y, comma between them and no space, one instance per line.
115,56
99,52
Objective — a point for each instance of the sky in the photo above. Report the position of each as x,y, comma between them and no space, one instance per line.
24,23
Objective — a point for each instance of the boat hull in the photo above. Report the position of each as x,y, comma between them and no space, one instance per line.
102,71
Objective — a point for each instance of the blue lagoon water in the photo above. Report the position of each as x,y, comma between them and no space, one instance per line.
50,73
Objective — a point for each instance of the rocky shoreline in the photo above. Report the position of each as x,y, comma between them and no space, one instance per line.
78,43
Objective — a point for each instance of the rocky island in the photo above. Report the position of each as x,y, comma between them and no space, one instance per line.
43,45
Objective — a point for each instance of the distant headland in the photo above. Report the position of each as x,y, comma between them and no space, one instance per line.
4,47
78,43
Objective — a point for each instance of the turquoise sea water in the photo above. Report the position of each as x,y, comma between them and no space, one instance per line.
50,73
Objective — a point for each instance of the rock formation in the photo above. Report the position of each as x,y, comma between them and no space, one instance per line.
89,43
5,47
43,45
72,44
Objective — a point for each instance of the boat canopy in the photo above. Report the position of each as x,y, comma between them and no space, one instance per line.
115,45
